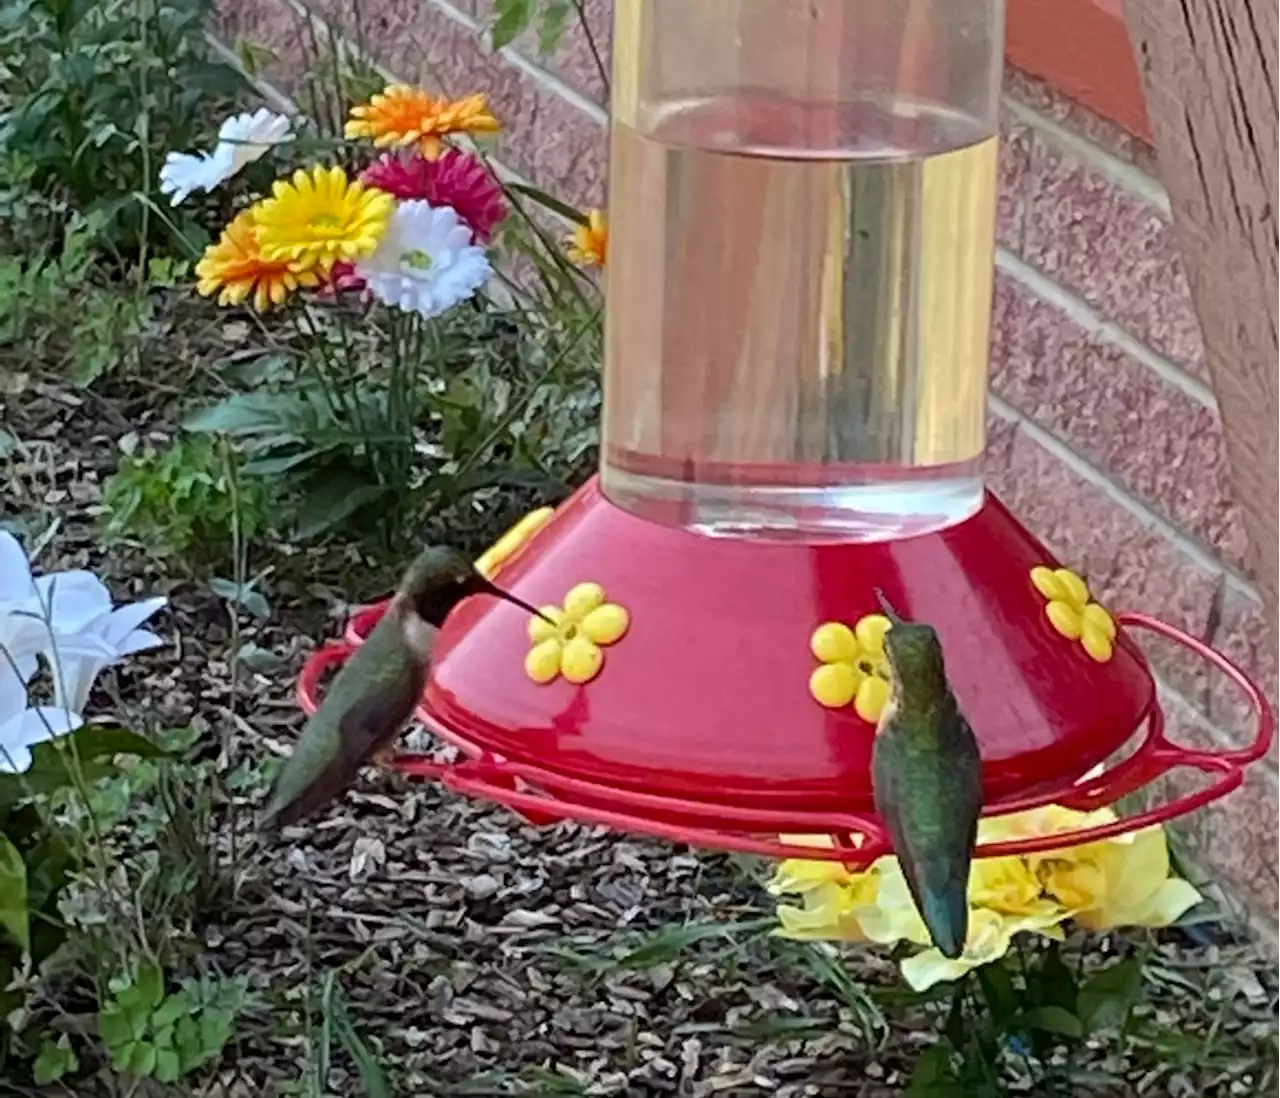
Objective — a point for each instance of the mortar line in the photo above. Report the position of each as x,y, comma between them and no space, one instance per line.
1117,170
527,65
1152,519
1088,318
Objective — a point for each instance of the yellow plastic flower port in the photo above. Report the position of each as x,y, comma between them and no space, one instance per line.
571,647
854,666
1072,612
506,547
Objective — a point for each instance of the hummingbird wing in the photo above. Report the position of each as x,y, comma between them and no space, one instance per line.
365,707
928,791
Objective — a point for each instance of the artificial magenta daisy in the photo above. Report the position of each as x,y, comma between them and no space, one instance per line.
235,270
319,217
589,243
402,115
456,179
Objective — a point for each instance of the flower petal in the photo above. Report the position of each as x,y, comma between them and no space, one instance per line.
15,571
606,624
542,664
1095,616
833,685
1064,617
834,642
540,629
582,599
870,631
1096,643
72,599
873,695
1074,589
1046,582
117,626
922,970
581,660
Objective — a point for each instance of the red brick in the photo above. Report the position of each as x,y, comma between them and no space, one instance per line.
1128,564
1114,250
1162,444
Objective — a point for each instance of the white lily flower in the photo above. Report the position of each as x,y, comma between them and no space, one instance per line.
104,641
426,262
67,618
242,139
21,728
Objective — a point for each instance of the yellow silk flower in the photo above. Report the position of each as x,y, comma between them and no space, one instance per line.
1123,881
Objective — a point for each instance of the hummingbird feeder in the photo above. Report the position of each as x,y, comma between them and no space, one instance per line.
803,199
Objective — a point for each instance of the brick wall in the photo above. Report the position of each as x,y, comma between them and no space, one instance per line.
1105,435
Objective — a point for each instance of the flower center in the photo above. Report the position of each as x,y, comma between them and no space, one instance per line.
569,631
416,259
325,222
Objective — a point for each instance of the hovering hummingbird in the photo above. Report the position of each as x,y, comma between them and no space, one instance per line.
926,775
377,689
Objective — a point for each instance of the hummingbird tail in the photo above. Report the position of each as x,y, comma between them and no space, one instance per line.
946,916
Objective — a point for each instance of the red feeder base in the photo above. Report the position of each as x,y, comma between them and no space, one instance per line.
700,727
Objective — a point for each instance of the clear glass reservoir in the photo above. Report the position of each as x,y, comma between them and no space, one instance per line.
802,224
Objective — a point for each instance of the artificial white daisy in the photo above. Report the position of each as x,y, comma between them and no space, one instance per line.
242,139
426,262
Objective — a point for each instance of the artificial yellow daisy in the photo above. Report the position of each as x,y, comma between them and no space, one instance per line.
234,269
589,243
319,217
402,115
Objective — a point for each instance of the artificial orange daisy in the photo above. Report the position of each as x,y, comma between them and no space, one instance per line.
589,243
402,115
318,217
234,269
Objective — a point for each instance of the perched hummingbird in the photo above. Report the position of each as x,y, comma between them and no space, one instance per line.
377,689
926,775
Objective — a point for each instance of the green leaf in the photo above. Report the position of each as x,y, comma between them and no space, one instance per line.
934,1077
1051,1019
175,1006
555,20
149,986
242,595
1108,996
247,414
671,942
514,17
1053,983
14,918
997,989
168,1067
337,498
370,1071
555,205
142,1061
54,1060
53,763
115,1028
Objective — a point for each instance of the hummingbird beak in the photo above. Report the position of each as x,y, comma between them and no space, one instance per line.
482,586
887,607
